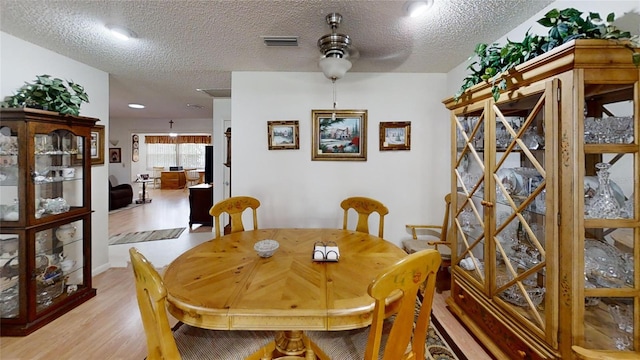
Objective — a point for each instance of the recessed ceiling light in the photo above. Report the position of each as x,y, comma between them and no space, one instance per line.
195,106
121,32
417,8
136,106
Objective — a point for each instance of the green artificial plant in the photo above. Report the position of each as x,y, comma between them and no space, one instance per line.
490,61
49,94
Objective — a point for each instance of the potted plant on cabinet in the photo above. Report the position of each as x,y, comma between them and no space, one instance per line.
491,61
51,94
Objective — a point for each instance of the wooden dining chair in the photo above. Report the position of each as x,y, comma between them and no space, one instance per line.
192,177
152,295
391,336
589,354
406,275
434,237
234,206
185,342
364,206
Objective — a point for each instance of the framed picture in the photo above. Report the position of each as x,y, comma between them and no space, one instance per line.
115,155
96,145
283,135
395,135
339,135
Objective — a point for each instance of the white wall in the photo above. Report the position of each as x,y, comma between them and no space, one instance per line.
297,192
21,61
122,130
627,14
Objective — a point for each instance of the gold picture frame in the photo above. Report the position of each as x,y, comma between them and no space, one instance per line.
339,135
115,155
283,135
395,135
96,145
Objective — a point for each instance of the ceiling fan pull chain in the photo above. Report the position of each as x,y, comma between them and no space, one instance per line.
333,115
334,94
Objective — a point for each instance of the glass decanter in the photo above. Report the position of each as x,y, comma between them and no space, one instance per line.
603,205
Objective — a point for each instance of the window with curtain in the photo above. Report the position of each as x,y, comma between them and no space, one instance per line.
187,151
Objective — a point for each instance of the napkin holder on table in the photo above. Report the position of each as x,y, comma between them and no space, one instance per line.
325,251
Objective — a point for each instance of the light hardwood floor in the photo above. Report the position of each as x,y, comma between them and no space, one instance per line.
109,326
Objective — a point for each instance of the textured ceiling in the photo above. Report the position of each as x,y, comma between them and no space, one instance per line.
184,45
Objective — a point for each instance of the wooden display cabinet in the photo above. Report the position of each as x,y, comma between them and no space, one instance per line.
45,217
543,256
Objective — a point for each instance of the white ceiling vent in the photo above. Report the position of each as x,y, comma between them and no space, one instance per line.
280,40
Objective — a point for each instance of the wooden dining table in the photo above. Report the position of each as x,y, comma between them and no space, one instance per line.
223,284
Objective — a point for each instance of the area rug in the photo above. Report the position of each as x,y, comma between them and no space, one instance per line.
197,343
128,207
141,236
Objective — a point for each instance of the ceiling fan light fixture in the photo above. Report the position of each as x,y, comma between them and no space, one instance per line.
334,67
417,8
335,49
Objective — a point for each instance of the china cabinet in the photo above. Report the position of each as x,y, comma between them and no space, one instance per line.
545,222
45,217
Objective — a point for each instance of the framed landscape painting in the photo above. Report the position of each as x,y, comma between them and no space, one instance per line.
395,135
339,135
283,135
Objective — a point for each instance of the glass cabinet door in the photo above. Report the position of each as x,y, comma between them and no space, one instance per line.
10,257
518,169
9,175
58,173
58,262
469,213
611,230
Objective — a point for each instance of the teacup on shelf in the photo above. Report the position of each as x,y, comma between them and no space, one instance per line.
66,233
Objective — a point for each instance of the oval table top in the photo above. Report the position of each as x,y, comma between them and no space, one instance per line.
223,284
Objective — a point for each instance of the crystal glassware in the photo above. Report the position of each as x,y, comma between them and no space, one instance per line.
603,205
622,316
467,218
603,264
628,206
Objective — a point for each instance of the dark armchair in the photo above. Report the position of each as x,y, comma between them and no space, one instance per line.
120,195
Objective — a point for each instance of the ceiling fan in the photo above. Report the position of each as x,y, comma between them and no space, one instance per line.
336,50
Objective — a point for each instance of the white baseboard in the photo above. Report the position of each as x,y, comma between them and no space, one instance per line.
100,269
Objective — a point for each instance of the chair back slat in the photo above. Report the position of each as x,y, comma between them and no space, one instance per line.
235,206
364,206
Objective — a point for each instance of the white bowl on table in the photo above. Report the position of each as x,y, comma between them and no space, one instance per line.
266,248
